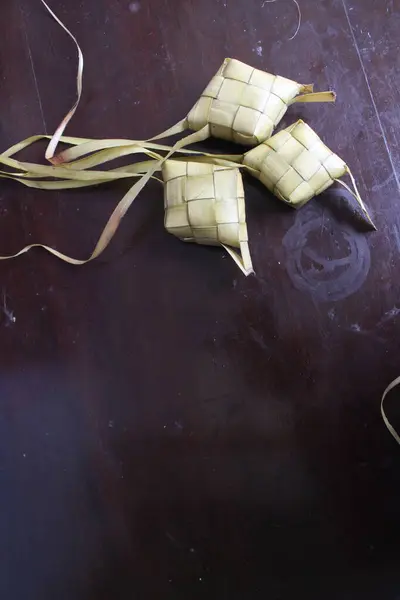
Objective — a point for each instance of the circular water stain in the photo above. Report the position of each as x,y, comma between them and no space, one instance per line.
326,279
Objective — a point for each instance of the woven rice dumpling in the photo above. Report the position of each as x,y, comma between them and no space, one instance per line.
244,105
204,203
296,165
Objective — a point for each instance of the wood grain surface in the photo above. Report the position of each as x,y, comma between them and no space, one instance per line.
169,428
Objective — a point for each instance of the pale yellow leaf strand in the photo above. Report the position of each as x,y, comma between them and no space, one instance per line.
119,212
36,138
87,180
356,195
50,171
246,269
51,148
104,156
107,155
61,184
118,149
299,16
70,154
329,96
390,427
62,173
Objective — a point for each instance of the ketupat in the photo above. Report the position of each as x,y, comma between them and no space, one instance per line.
204,204
295,165
241,104
244,105
201,200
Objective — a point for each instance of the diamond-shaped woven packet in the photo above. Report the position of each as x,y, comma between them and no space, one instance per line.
244,105
296,165
204,203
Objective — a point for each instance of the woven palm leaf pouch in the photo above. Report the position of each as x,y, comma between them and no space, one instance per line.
244,105
295,165
204,204
203,193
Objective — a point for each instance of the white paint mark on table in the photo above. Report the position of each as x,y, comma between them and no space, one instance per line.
134,7
258,49
389,315
9,314
397,235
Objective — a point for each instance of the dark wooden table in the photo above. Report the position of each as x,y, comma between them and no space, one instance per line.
169,428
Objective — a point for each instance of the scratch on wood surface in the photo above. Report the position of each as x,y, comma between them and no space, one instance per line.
33,69
372,96
380,186
397,235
